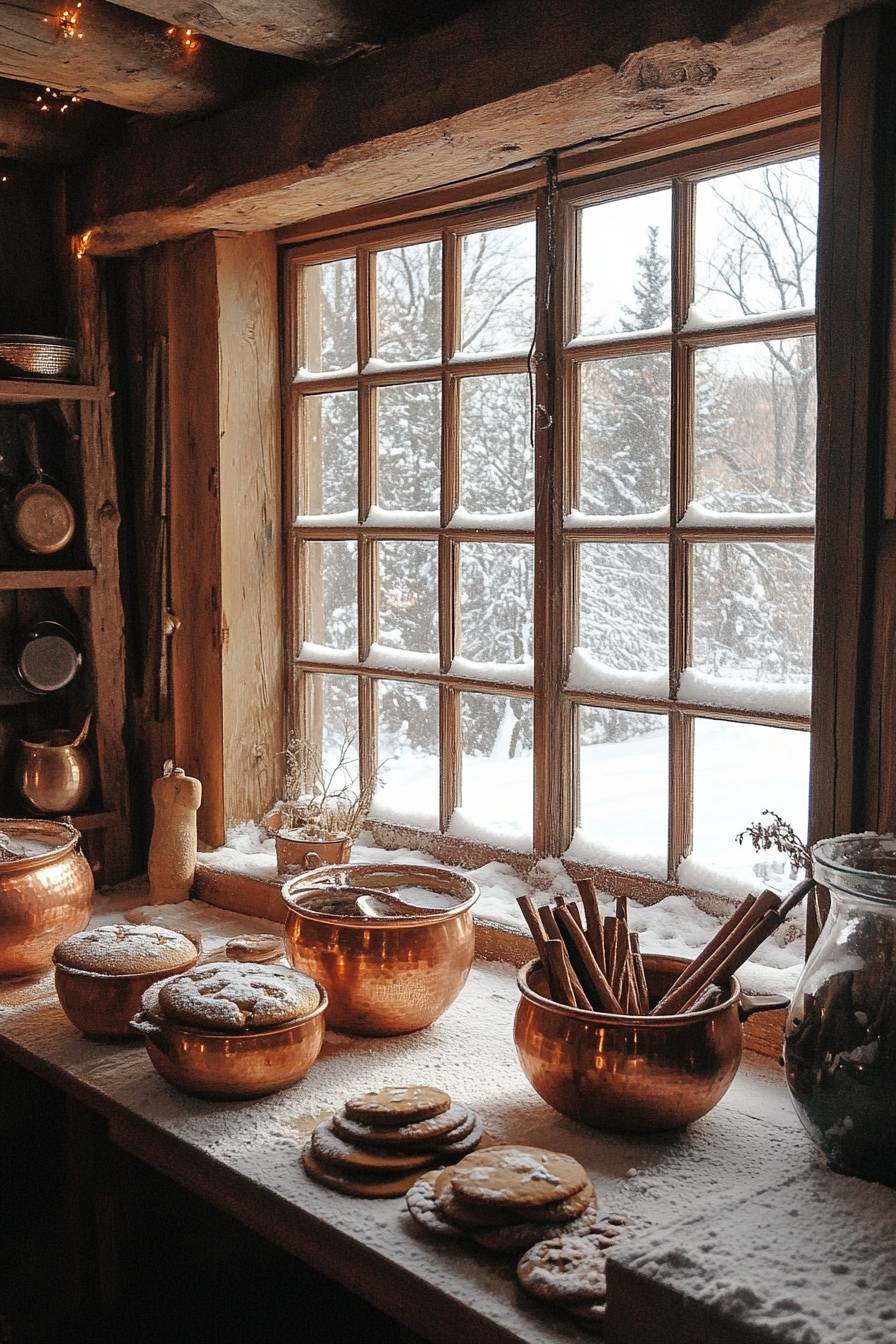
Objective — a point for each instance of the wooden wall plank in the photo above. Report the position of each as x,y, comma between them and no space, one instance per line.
196,656
252,646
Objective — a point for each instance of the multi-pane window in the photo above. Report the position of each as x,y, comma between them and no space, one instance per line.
552,488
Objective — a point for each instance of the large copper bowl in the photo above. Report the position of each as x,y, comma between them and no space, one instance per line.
631,1073
43,898
233,1067
102,1004
384,976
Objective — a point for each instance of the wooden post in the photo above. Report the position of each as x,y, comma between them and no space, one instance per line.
854,682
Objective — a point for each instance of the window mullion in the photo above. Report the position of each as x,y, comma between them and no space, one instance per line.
554,714
368,550
681,484
450,722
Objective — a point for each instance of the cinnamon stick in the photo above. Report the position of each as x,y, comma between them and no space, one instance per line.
705,968
559,972
738,954
610,947
530,915
620,955
606,998
640,976
594,924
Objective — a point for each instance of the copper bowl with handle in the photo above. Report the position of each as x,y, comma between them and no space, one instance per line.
389,975
626,1073
233,1066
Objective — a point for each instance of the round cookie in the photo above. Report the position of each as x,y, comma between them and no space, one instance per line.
126,949
512,1176
519,1237
483,1216
421,1203
567,1270
460,1147
366,1187
394,1106
421,1134
256,947
329,1148
232,995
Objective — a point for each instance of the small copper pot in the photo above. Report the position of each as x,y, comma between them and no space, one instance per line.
224,1067
631,1073
298,856
43,898
384,976
101,1004
55,775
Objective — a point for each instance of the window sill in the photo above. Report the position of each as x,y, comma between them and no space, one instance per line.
261,897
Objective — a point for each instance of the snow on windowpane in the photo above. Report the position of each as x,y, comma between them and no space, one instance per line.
330,329
497,459
740,770
408,790
331,452
409,617
623,610
332,610
409,303
498,310
333,722
755,427
496,784
496,580
756,234
626,248
752,608
625,435
409,435
624,790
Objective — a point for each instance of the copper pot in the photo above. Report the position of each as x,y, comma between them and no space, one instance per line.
631,1073
389,975
224,1067
55,775
44,897
101,1004
297,856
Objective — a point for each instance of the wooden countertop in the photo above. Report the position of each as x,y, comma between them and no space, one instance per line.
244,1157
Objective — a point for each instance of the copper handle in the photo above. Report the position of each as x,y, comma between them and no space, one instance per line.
147,1027
312,860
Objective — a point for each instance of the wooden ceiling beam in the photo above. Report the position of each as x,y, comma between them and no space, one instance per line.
115,56
311,30
471,98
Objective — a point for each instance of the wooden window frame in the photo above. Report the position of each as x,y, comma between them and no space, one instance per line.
556,359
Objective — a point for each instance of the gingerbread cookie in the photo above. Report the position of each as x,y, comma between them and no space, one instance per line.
520,1236
567,1270
394,1106
482,1216
516,1176
363,1187
329,1148
232,995
421,1202
460,1147
424,1134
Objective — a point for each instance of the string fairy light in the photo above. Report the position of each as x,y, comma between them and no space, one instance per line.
53,100
67,22
185,36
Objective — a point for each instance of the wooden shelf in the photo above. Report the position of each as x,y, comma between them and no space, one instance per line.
40,389
94,821
12,579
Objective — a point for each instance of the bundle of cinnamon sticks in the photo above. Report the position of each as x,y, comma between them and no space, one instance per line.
595,963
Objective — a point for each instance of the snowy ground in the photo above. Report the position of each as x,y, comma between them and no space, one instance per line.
674,926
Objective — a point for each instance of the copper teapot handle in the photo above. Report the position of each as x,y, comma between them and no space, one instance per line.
748,1004
83,733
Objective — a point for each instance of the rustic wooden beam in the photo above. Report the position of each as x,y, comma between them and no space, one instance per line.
115,56
311,30
471,98
853,760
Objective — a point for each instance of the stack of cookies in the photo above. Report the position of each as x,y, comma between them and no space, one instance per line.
570,1272
506,1198
378,1144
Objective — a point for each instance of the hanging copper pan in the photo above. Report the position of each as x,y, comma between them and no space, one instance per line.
41,518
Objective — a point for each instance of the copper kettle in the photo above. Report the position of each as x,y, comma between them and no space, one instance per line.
55,775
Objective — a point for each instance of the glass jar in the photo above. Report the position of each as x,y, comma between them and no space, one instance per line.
840,1038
